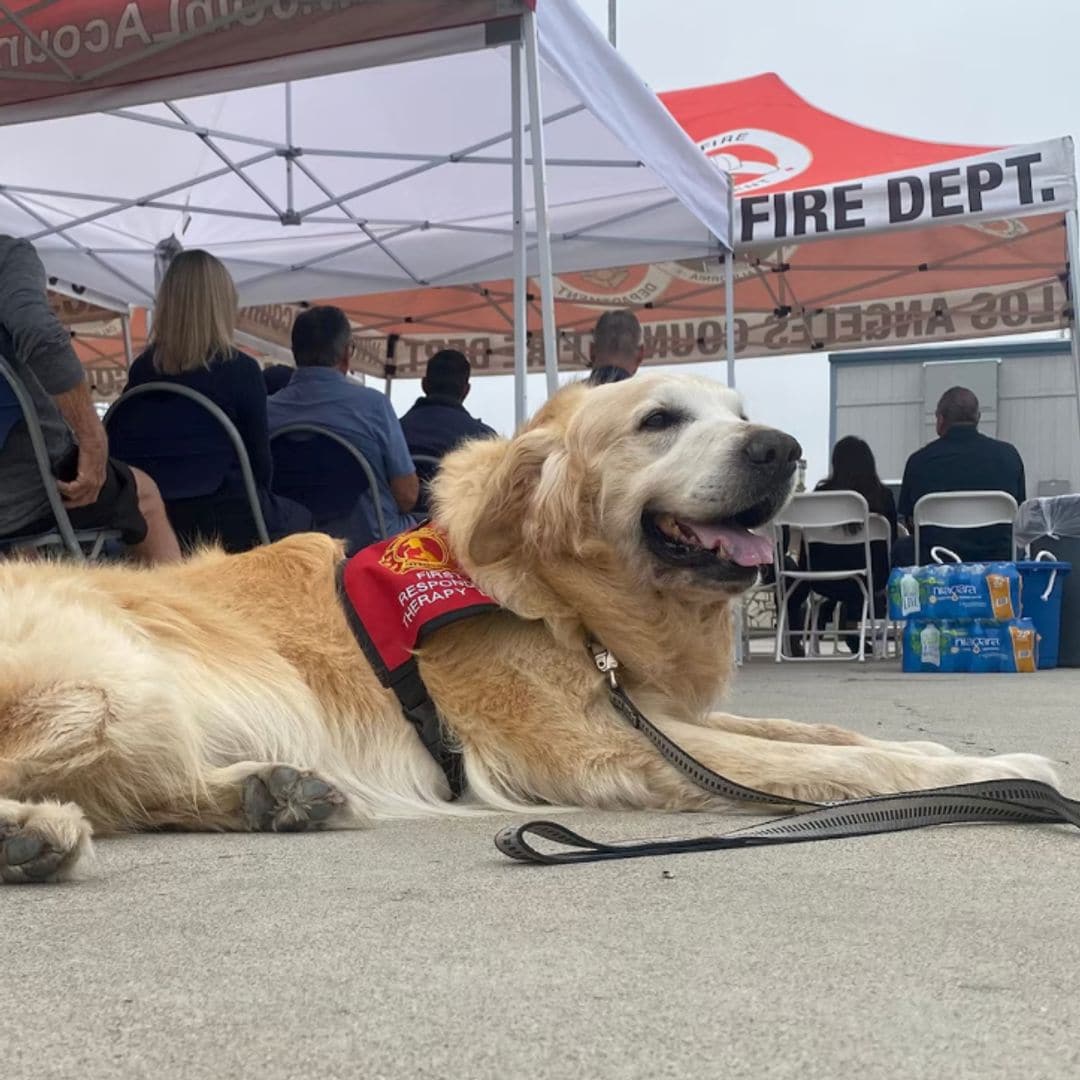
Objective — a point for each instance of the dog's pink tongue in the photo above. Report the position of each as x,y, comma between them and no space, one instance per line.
740,545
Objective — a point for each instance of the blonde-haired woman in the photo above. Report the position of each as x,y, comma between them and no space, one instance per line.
191,344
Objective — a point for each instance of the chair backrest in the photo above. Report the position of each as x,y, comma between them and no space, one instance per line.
323,471
824,510
821,517
965,510
427,465
208,432
16,404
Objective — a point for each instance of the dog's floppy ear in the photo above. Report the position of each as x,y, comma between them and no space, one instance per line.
497,496
505,517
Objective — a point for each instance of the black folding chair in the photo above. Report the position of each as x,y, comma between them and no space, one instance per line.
16,405
427,465
208,433
323,471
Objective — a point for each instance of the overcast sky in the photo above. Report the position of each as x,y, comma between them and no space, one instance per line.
965,71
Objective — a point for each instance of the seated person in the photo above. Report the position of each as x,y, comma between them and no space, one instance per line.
853,469
99,492
191,344
320,392
276,377
616,350
438,421
961,459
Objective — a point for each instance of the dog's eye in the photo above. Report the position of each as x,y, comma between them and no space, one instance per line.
661,419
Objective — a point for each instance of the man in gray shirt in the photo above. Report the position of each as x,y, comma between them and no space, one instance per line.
616,351
98,492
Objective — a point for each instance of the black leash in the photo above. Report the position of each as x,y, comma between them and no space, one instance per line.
1019,802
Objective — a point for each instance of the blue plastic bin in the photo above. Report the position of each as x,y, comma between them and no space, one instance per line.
1043,607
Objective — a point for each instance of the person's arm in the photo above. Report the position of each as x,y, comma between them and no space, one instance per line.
77,409
43,345
906,506
404,483
1021,480
249,401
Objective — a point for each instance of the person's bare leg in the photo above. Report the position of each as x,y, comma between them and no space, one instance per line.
160,545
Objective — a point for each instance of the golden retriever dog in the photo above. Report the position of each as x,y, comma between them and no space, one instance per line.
229,693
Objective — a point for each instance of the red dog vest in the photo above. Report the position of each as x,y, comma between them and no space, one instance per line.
395,593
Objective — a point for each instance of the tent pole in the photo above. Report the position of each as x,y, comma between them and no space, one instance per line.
125,329
1072,250
543,238
729,314
520,311
729,288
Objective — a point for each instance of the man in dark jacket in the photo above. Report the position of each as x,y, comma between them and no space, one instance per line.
961,459
438,421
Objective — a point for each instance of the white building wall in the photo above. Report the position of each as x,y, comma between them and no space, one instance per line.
882,402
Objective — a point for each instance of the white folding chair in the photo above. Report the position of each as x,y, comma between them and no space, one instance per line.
880,532
821,517
965,510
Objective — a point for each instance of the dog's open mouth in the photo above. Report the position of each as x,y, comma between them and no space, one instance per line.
726,548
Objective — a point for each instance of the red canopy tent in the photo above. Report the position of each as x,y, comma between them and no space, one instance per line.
845,237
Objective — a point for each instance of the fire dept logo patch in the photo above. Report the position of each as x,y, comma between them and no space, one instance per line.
420,549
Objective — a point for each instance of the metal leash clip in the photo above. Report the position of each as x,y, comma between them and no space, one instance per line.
606,664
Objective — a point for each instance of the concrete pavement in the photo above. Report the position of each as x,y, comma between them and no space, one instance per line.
416,951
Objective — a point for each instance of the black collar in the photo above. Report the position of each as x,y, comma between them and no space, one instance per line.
444,400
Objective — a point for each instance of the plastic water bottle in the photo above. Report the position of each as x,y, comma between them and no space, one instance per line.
909,595
930,645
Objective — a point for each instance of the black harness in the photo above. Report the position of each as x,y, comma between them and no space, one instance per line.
409,688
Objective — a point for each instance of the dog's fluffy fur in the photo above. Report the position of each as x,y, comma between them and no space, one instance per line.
229,693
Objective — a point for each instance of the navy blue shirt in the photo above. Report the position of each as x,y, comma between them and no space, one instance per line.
436,424
963,459
235,384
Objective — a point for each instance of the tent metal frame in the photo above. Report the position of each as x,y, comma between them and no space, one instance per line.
335,207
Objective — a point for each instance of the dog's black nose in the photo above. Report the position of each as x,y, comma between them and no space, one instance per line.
772,450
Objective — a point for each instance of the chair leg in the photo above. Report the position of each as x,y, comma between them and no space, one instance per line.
810,625
862,623
781,617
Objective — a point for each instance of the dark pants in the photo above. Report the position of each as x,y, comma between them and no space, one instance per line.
227,520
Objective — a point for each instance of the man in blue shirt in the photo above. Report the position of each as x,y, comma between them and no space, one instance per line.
320,392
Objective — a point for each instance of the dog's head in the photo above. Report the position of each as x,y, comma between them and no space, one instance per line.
659,480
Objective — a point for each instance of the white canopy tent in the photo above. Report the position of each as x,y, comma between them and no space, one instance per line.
397,161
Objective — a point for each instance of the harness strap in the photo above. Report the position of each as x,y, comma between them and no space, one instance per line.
1021,802
416,704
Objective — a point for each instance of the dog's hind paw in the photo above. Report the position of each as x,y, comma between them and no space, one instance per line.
283,799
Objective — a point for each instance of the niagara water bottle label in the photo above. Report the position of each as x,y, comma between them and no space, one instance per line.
909,595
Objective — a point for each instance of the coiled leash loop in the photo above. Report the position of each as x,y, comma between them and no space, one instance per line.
1016,802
